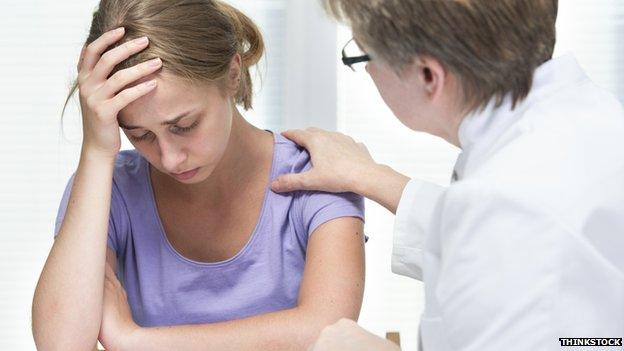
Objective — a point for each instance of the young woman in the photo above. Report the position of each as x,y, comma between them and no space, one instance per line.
187,221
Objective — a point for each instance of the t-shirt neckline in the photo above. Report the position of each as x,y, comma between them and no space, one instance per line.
254,234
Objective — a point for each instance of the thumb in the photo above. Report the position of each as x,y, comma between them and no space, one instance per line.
291,182
297,136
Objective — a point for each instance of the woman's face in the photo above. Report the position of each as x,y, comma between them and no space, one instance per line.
420,97
180,128
400,94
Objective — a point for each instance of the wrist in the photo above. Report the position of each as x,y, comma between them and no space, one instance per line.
368,182
89,152
383,185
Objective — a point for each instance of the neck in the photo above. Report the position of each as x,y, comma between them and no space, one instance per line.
452,112
451,132
446,125
245,156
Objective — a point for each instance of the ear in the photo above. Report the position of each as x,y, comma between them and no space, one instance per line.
235,72
432,75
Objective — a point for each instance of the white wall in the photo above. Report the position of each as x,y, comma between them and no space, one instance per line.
38,42
594,32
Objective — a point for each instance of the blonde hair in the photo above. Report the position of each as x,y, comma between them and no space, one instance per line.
196,39
493,46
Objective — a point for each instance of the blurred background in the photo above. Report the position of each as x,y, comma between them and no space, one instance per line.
303,85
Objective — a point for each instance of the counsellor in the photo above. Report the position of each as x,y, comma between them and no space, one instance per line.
525,246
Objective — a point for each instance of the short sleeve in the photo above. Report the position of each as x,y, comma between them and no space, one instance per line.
320,207
114,220
313,208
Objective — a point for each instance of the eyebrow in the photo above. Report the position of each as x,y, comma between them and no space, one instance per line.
169,122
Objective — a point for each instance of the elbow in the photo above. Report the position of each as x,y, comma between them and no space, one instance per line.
51,334
47,341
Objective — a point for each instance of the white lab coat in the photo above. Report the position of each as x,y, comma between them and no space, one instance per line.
527,246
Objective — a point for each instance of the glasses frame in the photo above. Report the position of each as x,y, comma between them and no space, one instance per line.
350,61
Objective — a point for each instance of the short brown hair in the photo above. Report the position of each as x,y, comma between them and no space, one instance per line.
196,39
492,46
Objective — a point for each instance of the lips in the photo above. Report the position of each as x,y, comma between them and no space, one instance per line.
181,173
185,175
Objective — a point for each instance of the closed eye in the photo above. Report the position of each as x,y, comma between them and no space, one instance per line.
178,130
174,129
142,137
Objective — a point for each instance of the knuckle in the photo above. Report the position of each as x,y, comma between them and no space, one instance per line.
137,71
91,103
90,49
130,93
99,112
116,79
107,59
285,182
125,94
99,109
128,46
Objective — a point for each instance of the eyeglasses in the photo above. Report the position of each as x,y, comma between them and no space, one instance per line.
352,54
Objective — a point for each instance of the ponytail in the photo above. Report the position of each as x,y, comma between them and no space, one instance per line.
251,49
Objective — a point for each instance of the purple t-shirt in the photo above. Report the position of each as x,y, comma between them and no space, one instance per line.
165,288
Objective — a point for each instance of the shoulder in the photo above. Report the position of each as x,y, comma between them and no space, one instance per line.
129,163
290,157
130,172
312,208
562,149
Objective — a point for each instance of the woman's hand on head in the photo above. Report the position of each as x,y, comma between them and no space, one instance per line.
339,164
101,97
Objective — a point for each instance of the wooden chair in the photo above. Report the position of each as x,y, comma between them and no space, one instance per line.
395,337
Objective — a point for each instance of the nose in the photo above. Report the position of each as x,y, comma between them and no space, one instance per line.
172,156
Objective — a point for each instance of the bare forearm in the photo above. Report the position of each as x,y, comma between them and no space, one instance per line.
292,329
67,305
383,185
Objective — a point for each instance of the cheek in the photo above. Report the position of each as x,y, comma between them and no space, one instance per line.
212,139
393,92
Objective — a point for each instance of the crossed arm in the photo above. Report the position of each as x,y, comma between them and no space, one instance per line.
331,289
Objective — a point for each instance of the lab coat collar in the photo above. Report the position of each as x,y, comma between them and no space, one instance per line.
479,130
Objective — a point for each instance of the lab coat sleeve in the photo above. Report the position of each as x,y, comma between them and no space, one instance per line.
498,281
413,219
